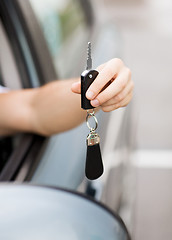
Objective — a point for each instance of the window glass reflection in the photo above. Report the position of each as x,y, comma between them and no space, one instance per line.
63,25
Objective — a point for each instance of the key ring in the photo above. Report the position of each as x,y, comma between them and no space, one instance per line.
91,114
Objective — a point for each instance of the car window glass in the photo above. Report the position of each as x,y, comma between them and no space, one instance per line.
65,31
11,79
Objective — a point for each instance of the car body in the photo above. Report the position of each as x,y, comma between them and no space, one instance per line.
60,214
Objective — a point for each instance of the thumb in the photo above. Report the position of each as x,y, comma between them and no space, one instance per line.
76,87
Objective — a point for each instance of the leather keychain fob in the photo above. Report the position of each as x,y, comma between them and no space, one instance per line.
94,164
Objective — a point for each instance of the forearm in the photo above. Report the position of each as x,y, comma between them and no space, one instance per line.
56,108
47,110
15,111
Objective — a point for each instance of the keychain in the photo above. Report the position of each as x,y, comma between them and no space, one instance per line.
94,164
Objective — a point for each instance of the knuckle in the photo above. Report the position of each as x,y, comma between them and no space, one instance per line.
119,97
122,84
128,72
124,105
117,105
116,61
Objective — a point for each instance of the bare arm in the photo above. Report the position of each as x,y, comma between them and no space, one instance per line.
47,110
54,108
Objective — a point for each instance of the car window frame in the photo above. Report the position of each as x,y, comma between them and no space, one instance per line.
8,9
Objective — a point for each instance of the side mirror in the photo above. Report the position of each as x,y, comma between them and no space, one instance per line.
44,213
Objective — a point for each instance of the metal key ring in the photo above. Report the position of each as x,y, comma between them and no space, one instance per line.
92,114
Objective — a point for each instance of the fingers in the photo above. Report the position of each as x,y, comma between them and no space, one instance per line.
113,87
108,72
100,67
122,103
121,95
116,86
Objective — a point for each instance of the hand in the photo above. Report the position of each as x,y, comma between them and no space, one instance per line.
113,87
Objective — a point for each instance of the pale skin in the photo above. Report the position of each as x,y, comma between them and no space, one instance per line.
55,107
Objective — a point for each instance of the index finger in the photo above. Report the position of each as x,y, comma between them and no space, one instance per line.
106,74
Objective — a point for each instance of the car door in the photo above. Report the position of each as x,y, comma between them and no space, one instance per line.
47,40
33,66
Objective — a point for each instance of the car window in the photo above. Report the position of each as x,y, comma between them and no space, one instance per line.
10,79
65,31
12,74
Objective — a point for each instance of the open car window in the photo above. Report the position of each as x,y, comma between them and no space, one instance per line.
17,71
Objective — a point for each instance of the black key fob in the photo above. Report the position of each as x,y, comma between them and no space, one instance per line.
87,77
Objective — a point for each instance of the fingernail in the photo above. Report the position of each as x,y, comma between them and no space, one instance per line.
89,94
95,103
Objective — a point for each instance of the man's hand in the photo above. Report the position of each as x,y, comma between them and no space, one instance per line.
113,87
53,108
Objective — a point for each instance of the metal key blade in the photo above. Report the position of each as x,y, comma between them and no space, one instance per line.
89,60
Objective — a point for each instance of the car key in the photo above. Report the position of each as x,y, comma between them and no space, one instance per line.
87,77
94,164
